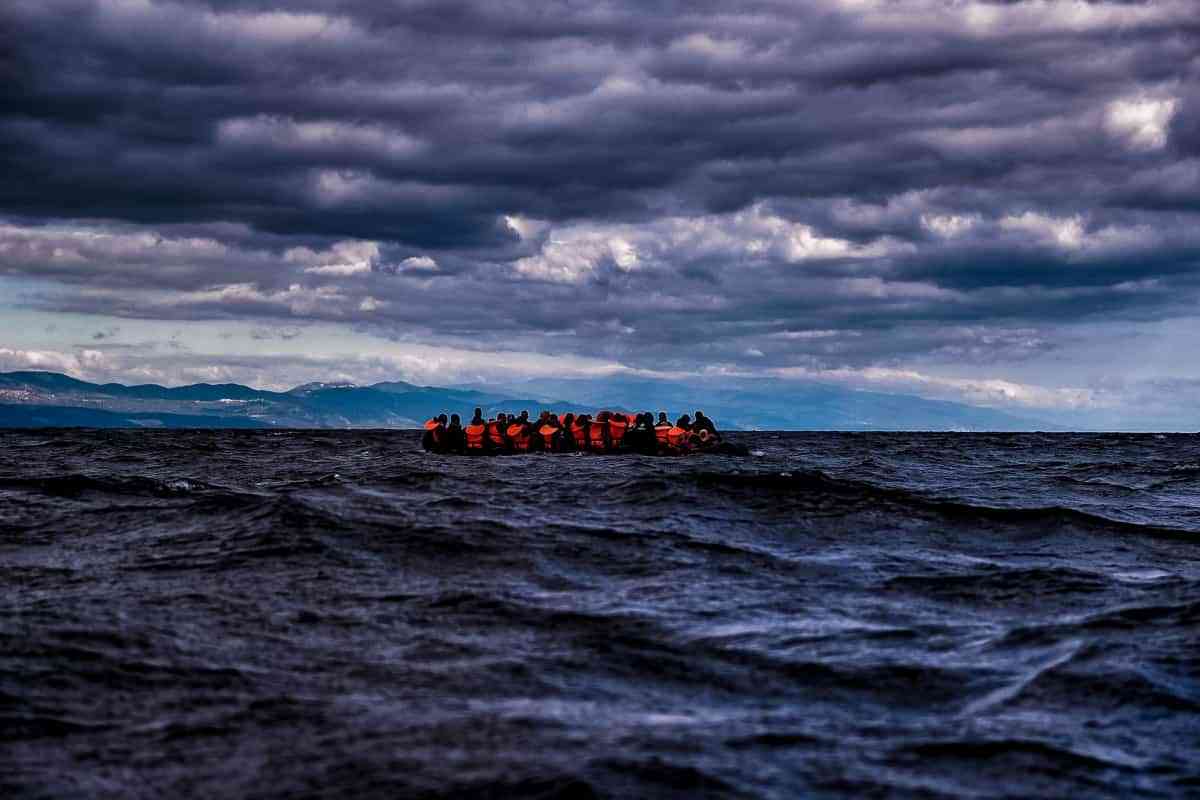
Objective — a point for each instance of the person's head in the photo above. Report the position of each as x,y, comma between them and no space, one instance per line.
662,416
683,422
442,418
455,419
568,420
699,416
524,416
602,416
478,413
502,417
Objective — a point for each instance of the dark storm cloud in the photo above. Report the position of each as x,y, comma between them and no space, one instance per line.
663,183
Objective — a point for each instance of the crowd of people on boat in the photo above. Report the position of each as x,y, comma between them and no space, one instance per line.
607,432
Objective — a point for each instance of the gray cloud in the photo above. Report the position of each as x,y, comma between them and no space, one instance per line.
665,184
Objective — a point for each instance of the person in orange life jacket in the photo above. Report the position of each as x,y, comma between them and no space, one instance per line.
599,440
434,438
497,433
618,424
660,429
566,439
535,427
520,433
677,437
579,432
475,434
549,434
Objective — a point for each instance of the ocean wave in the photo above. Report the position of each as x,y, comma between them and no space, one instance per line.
73,485
819,489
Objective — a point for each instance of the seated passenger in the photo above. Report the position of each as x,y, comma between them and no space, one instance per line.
704,423
497,433
456,438
579,432
660,430
618,426
640,438
434,438
598,436
549,434
520,433
476,435
677,437
566,437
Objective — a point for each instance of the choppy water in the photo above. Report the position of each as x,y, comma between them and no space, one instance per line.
269,614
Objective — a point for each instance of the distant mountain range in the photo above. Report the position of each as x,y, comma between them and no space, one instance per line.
48,399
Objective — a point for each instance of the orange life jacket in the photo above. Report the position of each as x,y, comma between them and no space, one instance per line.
547,433
677,437
596,437
518,434
661,431
476,436
579,433
435,427
616,429
496,434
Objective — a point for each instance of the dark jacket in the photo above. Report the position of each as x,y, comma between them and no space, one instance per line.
456,439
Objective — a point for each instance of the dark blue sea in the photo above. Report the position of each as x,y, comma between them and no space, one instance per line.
337,614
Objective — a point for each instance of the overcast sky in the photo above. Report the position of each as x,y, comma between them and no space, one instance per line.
988,201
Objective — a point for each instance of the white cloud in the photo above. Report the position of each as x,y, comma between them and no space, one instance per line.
986,18
49,360
813,334
1065,232
949,226
880,289
84,244
341,259
419,264
703,44
1141,122
333,137
985,391
576,254
296,299
572,254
